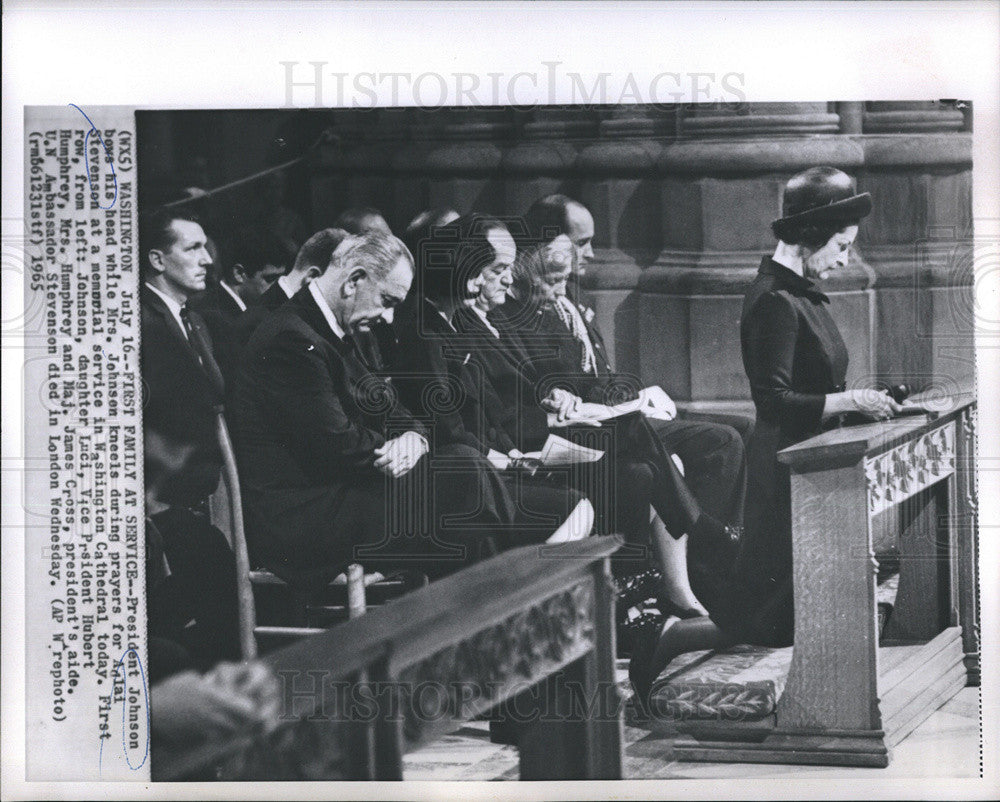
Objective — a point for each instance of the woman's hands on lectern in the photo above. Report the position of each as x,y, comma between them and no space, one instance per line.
876,404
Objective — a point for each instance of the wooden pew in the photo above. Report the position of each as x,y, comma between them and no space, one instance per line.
533,626
849,698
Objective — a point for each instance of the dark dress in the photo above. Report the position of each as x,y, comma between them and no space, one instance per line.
711,448
794,356
438,381
637,470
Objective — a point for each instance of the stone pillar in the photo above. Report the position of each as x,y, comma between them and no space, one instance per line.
720,189
918,241
463,168
616,180
356,165
759,119
542,160
894,117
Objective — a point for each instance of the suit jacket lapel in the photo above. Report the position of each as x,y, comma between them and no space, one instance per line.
155,303
506,345
273,297
228,303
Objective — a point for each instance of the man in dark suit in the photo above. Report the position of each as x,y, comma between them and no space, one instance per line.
558,214
436,378
334,468
195,604
256,264
311,261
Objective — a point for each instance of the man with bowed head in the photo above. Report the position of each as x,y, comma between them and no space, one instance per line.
327,451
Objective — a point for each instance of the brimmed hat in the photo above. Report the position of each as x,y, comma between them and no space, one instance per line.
820,196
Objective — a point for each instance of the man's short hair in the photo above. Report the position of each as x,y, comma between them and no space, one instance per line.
253,251
353,220
317,250
156,231
455,253
375,252
548,217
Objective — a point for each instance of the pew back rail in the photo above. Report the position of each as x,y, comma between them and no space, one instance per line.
533,626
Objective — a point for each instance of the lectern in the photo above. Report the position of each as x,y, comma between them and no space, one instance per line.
904,488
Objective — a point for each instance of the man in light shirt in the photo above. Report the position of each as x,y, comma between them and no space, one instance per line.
254,263
194,606
334,469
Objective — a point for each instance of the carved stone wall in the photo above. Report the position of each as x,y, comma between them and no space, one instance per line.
682,198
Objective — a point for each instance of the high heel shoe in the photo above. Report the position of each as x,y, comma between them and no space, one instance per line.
633,590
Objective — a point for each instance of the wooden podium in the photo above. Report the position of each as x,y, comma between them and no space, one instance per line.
905,487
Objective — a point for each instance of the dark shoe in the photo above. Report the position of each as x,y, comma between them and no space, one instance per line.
645,638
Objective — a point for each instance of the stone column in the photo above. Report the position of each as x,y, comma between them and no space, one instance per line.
356,166
463,167
616,180
895,117
918,241
720,187
542,159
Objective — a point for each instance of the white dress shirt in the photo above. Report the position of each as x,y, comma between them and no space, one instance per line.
235,297
173,307
324,307
286,284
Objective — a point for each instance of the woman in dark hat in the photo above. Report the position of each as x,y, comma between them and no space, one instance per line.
796,362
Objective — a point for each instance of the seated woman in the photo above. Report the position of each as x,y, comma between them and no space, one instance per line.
644,473
796,362
572,356
433,377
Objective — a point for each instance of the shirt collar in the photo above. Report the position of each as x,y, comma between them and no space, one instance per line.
235,297
324,307
792,281
286,284
439,313
482,316
173,307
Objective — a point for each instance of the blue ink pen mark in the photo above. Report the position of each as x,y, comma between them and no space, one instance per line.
145,696
86,142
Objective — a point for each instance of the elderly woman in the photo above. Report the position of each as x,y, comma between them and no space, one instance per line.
796,362
649,503
432,374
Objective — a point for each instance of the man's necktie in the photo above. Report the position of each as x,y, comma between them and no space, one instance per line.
199,342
